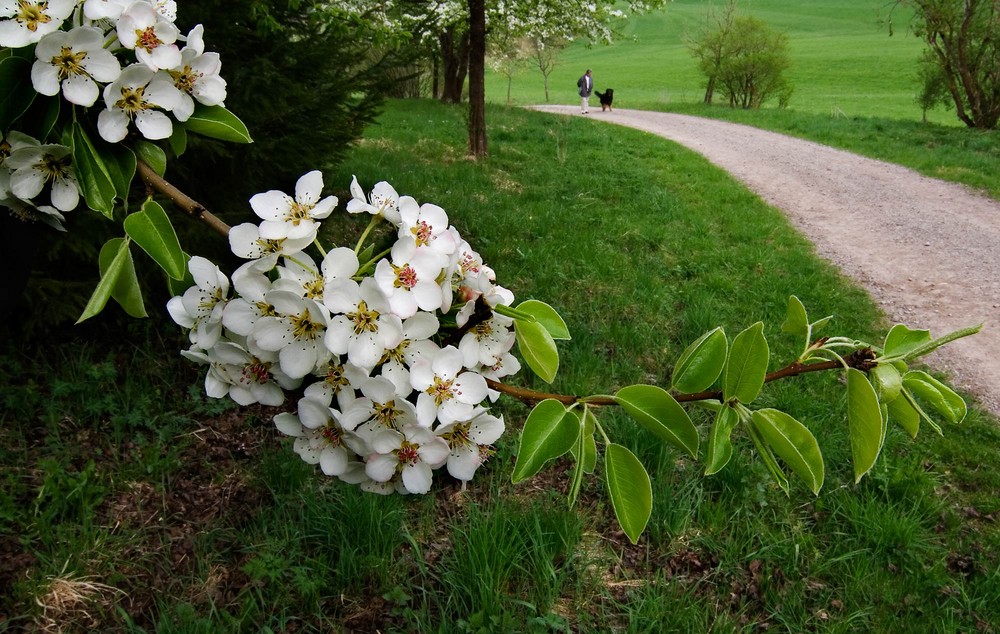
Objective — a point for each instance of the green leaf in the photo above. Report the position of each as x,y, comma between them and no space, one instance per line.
793,443
796,319
887,382
587,443
581,452
92,173
178,140
114,259
912,402
152,155
218,123
15,77
177,287
901,340
864,421
537,348
767,456
720,447
126,290
903,413
121,165
629,488
547,434
151,229
817,325
701,363
931,346
659,412
937,395
746,366
547,317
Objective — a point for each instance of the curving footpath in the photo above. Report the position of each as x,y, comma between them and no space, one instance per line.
928,251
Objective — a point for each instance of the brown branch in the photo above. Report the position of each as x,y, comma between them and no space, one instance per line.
859,359
188,205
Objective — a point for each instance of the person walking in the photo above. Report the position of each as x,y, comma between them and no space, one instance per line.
586,86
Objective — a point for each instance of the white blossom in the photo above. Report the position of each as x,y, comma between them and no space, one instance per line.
73,62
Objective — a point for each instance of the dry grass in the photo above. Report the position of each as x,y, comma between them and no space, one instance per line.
68,603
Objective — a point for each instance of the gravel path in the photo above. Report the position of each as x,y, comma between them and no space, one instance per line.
928,251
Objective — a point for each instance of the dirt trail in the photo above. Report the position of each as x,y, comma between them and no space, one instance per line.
928,251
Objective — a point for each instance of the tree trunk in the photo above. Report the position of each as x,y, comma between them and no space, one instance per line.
709,90
454,62
436,71
477,78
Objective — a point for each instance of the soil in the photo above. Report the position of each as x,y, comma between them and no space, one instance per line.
925,249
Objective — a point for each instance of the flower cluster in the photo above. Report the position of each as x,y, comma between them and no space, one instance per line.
126,53
387,393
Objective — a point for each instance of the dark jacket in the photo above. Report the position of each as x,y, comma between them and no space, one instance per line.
585,86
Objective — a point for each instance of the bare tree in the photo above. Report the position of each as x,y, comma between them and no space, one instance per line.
545,53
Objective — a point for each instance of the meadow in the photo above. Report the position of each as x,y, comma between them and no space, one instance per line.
131,502
844,60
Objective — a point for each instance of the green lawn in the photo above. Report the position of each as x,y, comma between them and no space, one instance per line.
196,516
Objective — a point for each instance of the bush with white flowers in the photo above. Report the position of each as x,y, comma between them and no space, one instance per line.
124,59
385,397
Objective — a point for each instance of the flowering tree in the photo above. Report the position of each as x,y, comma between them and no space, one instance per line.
392,351
456,31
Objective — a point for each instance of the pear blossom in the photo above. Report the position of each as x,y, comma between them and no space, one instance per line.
167,9
250,304
300,274
469,443
24,22
104,9
337,379
319,437
467,274
446,392
427,224
409,280
415,344
197,76
413,454
135,96
35,166
487,341
247,375
201,307
379,408
383,201
73,61
24,211
296,332
150,34
287,217
363,327
246,242
507,365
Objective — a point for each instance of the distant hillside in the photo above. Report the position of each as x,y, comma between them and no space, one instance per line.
844,61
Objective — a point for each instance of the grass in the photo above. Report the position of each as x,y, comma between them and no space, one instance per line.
188,515
844,61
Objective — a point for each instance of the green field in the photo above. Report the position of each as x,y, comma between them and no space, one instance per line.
844,61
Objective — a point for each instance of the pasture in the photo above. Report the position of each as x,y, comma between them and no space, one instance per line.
844,61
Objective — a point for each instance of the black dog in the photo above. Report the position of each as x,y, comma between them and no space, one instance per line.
606,98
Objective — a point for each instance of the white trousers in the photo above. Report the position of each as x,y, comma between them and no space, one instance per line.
584,104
